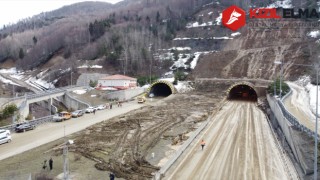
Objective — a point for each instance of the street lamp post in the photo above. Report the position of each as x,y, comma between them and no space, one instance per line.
279,62
71,78
316,134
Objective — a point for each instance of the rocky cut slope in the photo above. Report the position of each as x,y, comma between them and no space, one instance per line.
251,51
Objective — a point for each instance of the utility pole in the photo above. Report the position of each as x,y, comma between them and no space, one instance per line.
65,158
316,133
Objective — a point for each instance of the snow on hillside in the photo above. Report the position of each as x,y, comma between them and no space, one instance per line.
196,24
281,4
181,62
183,86
7,81
8,71
219,19
200,38
235,34
90,66
81,91
180,48
314,34
312,93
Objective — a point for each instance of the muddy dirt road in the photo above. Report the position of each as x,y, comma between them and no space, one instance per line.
239,145
52,131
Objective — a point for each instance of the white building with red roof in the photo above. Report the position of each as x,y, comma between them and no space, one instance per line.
117,82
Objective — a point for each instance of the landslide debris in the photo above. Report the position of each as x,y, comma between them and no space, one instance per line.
121,144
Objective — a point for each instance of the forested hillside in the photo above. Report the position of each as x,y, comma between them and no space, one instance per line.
128,37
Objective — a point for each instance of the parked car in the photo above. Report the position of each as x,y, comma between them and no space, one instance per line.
90,110
4,133
24,127
5,139
64,115
101,107
77,113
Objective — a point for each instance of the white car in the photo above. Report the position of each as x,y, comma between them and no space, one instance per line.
90,110
4,136
4,133
101,107
5,139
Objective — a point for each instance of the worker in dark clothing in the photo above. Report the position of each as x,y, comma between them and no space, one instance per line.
202,144
50,164
112,176
44,164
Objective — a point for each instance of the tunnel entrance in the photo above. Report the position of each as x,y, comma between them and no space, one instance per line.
160,89
242,92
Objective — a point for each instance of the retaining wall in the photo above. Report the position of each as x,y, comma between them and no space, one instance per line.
294,137
125,94
72,103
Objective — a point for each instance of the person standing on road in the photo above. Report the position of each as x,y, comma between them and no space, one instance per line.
202,144
50,164
44,164
94,111
111,176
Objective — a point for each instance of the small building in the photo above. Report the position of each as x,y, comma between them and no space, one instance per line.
116,82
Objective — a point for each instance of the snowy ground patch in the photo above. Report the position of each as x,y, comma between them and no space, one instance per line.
196,24
281,4
235,34
39,83
314,34
8,71
183,86
7,81
90,66
194,62
181,62
180,48
82,91
219,19
167,79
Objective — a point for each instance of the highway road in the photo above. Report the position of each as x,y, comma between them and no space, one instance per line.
52,131
239,145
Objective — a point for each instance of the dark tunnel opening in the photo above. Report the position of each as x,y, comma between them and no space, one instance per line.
243,92
160,89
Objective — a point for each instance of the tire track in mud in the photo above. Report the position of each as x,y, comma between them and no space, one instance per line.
125,141
240,145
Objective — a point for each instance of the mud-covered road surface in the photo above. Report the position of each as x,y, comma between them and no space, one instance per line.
239,145
122,144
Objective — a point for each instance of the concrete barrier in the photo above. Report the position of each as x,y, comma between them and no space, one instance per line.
124,94
290,129
73,103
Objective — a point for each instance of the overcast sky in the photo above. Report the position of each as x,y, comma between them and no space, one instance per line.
13,10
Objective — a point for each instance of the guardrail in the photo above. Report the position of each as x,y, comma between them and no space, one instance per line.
44,93
295,122
35,122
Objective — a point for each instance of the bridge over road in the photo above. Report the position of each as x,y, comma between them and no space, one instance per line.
23,101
